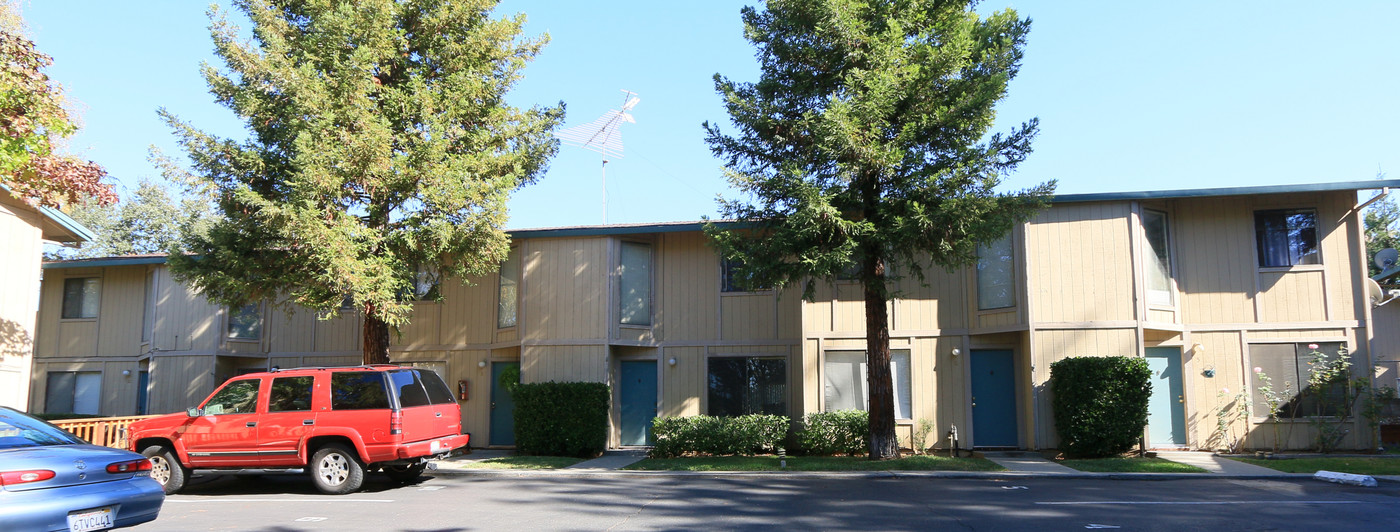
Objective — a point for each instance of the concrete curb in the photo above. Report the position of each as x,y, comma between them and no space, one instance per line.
962,475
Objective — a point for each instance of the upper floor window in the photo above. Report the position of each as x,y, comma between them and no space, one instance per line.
733,278
634,284
245,323
1159,265
81,297
507,293
1286,237
996,275
427,284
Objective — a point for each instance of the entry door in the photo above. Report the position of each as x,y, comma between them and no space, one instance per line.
638,397
502,407
1166,410
994,398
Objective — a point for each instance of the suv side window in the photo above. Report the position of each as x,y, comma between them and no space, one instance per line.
290,394
438,392
238,397
409,388
358,390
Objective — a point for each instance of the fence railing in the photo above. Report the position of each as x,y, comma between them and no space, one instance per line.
108,431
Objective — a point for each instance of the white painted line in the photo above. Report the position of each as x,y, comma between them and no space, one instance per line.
275,500
1203,503
430,488
1014,488
1094,525
310,519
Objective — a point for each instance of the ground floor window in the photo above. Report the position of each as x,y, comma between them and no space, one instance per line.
73,392
845,377
748,385
1281,376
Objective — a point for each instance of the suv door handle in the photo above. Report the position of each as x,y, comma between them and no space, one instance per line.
252,423
308,422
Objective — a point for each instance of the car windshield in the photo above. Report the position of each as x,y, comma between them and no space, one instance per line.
19,430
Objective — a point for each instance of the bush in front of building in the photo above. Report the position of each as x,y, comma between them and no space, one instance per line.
561,418
718,435
840,432
1100,403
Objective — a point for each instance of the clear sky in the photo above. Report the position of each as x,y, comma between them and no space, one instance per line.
1130,95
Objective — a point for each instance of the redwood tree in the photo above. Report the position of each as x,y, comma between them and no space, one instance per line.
379,148
864,145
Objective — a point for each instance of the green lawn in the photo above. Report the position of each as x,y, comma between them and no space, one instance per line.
1130,465
1366,465
813,463
523,462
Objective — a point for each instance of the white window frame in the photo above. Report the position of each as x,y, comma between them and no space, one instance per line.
901,382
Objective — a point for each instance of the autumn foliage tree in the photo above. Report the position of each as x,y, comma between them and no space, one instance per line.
864,145
380,152
33,121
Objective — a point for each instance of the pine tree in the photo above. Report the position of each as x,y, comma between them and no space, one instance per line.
148,221
864,146
380,151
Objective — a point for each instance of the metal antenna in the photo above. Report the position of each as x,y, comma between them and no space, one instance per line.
604,136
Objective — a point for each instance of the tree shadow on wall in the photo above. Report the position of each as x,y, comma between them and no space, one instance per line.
15,341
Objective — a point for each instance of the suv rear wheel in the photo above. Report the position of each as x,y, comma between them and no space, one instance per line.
166,468
405,473
336,470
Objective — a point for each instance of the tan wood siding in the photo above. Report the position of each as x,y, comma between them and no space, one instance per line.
469,311
1292,297
421,331
1215,246
571,363
19,266
565,285
339,334
291,332
683,385
119,320
1081,263
687,288
186,321
180,382
749,316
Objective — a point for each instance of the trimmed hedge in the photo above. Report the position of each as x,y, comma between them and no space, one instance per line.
718,435
1100,403
561,418
840,432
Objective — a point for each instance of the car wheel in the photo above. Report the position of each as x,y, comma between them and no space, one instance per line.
335,469
166,468
405,473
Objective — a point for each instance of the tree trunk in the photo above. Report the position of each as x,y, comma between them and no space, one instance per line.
884,445
376,338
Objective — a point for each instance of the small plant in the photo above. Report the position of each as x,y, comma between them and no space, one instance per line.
1329,383
919,436
839,432
1230,411
1275,400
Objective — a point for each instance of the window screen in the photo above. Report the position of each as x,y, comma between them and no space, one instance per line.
747,385
846,376
634,284
81,298
996,275
507,296
1159,270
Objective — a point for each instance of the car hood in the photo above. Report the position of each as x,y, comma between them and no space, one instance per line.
71,464
159,422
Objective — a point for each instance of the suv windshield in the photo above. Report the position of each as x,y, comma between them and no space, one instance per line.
18,430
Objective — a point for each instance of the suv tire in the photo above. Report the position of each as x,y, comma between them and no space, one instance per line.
166,468
336,469
404,474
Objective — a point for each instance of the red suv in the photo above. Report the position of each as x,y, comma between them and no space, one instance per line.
337,423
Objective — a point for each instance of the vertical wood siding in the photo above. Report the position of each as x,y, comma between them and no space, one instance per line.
1081,263
688,285
565,285
469,311
119,318
571,363
180,382
19,267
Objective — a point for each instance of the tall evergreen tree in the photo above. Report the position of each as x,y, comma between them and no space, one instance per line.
380,150
864,145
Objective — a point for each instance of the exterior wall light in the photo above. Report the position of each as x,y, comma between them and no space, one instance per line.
481,364
672,361
956,351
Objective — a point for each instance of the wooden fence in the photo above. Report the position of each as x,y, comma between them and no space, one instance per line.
109,431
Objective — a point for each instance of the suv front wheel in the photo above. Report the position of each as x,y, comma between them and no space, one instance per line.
166,468
336,470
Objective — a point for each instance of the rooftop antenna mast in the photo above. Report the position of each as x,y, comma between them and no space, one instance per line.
604,136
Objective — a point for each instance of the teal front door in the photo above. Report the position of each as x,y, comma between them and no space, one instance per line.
1166,410
994,398
638,397
502,407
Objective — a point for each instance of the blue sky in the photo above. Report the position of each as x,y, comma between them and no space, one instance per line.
1130,95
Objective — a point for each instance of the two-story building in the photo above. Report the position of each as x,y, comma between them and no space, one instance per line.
1205,284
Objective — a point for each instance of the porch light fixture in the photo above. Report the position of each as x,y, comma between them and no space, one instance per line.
672,361
956,351
481,364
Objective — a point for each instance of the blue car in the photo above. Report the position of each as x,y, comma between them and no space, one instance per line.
52,480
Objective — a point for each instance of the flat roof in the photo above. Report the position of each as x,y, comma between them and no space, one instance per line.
680,227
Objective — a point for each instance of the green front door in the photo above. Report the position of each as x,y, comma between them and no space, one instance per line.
1166,410
638,398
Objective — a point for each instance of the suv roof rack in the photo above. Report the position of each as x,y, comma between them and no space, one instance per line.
276,369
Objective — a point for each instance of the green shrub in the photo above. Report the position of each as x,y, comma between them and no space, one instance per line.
718,435
1100,403
840,432
561,418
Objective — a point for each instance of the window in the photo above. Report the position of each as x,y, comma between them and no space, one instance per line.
747,385
358,390
148,312
237,397
1159,269
734,279
81,297
73,392
634,284
427,284
290,394
1286,237
1287,368
510,280
245,323
996,275
409,388
845,375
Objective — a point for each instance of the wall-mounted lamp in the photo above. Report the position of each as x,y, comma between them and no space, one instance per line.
956,351
1198,349
126,373
481,364
672,361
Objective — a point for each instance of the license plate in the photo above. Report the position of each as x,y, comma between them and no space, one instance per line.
94,519
435,446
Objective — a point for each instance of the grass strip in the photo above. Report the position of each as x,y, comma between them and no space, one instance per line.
813,463
1130,465
1360,465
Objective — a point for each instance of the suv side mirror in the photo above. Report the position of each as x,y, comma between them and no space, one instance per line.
194,412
